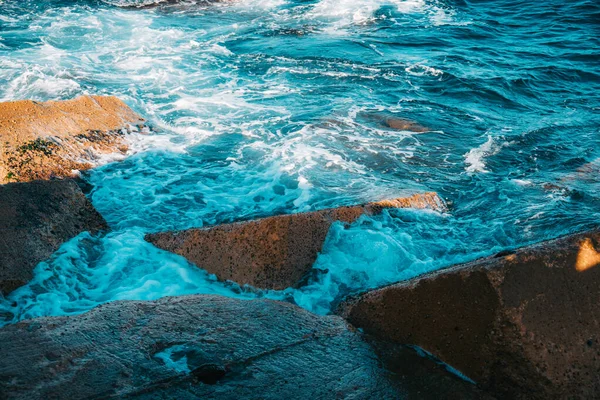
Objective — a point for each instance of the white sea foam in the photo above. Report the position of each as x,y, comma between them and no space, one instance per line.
361,11
475,158
258,4
35,82
421,70
86,272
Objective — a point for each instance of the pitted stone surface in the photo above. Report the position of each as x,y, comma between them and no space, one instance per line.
523,325
275,252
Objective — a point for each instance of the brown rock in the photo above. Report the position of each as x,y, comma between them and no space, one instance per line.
41,140
523,325
35,219
275,252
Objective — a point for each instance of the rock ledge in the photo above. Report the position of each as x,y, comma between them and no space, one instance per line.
57,138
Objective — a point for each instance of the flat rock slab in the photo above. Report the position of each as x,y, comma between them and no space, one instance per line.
275,252
42,140
35,219
524,325
190,347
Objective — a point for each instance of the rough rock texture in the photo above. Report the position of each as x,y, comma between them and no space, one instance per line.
275,252
35,219
41,140
524,325
190,347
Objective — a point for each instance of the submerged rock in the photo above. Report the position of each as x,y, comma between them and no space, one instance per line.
404,125
394,122
35,219
191,347
164,4
275,252
523,325
57,138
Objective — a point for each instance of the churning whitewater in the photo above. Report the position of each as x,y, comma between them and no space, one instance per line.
265,107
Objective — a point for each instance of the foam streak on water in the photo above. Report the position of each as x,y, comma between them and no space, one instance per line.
265,107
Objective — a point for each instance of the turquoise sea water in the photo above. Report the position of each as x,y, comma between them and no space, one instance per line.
264,107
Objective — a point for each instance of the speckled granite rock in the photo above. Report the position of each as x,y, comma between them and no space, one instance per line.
56,138
35,219
190,347
275,252
524,325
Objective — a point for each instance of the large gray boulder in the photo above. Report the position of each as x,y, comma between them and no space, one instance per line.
190,347
35,219
211,347
523,325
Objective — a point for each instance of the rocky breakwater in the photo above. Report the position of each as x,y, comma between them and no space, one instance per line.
206,347
40,142
275,252
522,325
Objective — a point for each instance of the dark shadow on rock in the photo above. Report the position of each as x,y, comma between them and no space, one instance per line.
35,219
422,375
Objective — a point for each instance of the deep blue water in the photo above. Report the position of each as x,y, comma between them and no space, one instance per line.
264,107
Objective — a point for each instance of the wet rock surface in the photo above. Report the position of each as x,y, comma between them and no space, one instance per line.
35,219
191,347
522,325
56,138
275,252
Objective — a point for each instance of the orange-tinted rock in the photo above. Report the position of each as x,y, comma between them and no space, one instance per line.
524,325
42,140
35,219
274,252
